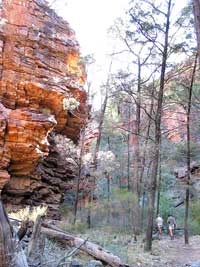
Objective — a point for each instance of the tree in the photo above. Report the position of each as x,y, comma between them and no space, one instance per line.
150,30
158,114
98,142
141,52
80,169
182,96
187,196
11,253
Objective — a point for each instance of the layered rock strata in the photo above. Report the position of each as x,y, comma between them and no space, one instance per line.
182,183
40,66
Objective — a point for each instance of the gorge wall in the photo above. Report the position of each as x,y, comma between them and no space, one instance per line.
40,66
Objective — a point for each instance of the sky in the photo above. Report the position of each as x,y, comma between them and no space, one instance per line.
90,19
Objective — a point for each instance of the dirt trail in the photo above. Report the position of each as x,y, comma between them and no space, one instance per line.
169,253
176,253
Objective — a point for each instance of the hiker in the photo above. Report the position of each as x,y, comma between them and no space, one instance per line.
159,223
172,225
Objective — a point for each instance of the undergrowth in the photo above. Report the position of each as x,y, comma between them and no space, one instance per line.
30,213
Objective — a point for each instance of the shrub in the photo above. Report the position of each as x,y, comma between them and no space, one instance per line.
77,228
195,217
28,212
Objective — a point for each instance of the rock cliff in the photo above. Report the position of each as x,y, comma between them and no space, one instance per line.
40,67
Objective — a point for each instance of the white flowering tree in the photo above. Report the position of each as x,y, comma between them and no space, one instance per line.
101,174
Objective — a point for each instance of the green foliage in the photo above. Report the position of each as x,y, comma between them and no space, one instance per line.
46,111
195,217
194,227
186,17
87,59
77,228
166,206
168,178
124,195
65,210
181,152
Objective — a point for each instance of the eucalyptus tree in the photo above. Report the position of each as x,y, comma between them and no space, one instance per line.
185,97
152,22
143,66
188,112
147,40
99,138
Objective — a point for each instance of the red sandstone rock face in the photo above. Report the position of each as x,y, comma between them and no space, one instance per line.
39,67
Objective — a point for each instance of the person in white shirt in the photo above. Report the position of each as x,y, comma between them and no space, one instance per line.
159,223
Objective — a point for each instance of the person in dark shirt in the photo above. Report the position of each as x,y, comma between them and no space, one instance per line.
172,225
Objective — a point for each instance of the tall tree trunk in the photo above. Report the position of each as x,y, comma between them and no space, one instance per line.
82,140
6,244
108,177
11,254
136,222
128,147
196,11
144,155
152,189
159,184
102,115
36,244
100,127
145,150
187,193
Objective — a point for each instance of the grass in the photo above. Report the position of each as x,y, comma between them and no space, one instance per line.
115,240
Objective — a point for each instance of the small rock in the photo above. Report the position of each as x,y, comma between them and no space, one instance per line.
194,264
156,258
76,263
94,263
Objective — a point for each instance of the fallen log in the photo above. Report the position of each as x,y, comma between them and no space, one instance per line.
90,248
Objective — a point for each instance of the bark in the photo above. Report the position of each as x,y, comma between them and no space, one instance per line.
142,212
159,185
146,142
36,244
102,115
11,254
145,154
128,147
90,248
23,229
79,174
187,194
6,245
196,11
108,177
152,189
136,223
